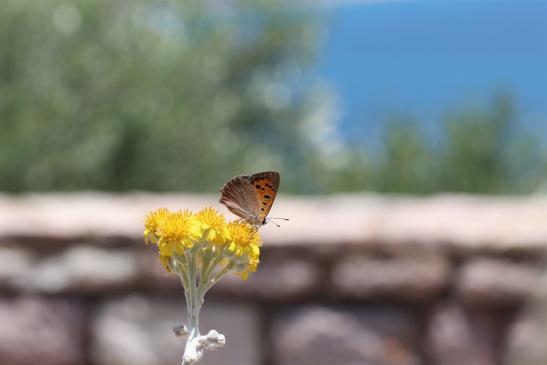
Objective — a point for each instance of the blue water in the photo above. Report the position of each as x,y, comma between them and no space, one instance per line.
423,58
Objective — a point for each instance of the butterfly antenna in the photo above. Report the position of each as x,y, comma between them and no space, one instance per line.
272,219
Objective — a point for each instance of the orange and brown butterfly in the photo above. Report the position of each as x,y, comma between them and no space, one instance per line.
251,197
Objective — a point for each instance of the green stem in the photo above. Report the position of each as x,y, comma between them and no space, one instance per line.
180,264
193,301
209,269
216,278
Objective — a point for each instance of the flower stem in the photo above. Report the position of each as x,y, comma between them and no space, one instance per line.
215,278
193,301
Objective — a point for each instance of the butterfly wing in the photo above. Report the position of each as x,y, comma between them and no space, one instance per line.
265,185
239,196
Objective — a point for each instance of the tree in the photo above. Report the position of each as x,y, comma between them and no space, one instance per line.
479,151
156,95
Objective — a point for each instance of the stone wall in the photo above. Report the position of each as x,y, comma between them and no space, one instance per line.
350,280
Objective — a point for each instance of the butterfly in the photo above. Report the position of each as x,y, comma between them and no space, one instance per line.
251,197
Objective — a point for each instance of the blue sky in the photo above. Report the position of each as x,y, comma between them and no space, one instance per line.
422,58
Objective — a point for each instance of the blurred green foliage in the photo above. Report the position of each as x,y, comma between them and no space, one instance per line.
143,94
160,95
480,151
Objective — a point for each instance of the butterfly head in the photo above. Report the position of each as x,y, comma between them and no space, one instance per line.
256,221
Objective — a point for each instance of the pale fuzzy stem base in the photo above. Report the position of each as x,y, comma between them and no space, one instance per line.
196,346
186,267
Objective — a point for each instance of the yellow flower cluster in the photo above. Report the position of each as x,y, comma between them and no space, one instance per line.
177,233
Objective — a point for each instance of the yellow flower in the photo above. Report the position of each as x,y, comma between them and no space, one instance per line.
244,241
153,221
234,244
171,231
181,228
241,234
212,225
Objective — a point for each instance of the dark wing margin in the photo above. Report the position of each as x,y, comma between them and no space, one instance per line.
238,195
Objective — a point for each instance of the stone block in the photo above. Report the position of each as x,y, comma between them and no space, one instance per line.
84,269
455,337
15,268
527,337
495,282
313,335
415,279
461,223
41,331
